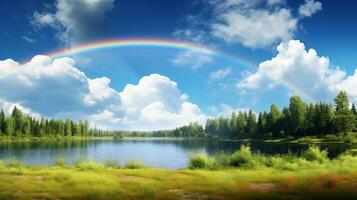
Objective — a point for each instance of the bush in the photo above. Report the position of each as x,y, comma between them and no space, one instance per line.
314,153
242,158
14,163
112,163
89,166
200,161
60,162
133,164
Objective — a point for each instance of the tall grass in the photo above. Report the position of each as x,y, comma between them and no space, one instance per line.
200,161
134,164
313,157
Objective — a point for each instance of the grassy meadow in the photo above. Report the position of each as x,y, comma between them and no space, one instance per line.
241,175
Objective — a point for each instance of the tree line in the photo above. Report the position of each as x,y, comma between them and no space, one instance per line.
297,119
18,124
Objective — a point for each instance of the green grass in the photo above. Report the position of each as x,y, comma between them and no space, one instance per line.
349,138
242,175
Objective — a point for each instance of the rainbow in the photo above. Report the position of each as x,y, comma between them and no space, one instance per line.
162,43
133,42
140,42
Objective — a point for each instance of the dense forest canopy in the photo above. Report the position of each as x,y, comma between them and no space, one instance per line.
297,119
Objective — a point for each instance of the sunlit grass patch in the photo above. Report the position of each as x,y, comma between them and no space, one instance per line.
200,161
60,162
134,164
112,163
89,165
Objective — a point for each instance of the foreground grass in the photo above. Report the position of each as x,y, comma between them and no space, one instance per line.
109,183
241,175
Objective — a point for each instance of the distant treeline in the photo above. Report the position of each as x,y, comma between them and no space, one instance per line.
19,124
298,119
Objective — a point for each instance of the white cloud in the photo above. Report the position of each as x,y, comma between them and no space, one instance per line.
303,70
56,88
75,21
255,27
159,102
220,73
8,107
28,39
192,58
44,19
225,110
251,23
309,8
7,66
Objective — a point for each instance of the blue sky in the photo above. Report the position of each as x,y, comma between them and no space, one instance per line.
121,87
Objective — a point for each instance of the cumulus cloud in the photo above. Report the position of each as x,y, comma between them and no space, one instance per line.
56,88
303,70
225,110
50,86
192,58
76,21
44,19
220,73
159,103
309,8
253,23
255,28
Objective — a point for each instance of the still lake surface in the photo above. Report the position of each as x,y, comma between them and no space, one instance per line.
157,153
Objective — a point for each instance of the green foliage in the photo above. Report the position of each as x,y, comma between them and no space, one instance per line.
112,163
60,162
21,125
314,153
298,119
241,158
89,166
14,163
200,161
134,164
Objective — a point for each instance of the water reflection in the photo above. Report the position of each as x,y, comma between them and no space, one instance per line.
158,153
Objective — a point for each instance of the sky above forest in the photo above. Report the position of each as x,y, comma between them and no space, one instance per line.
237,55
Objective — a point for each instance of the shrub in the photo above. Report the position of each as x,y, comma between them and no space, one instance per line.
221,160
133,164
200,161
60,162
2,165
242,157
314,153
14,163
90,166
112,163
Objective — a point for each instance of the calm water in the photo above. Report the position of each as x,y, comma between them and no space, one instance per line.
165,154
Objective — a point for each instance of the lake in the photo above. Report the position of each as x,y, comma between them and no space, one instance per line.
172,154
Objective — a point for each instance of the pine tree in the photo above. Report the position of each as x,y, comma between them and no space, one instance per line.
19,121
344,119
274,118
251,127
2,122
261,125
10,126
68,127
297,112
233,124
